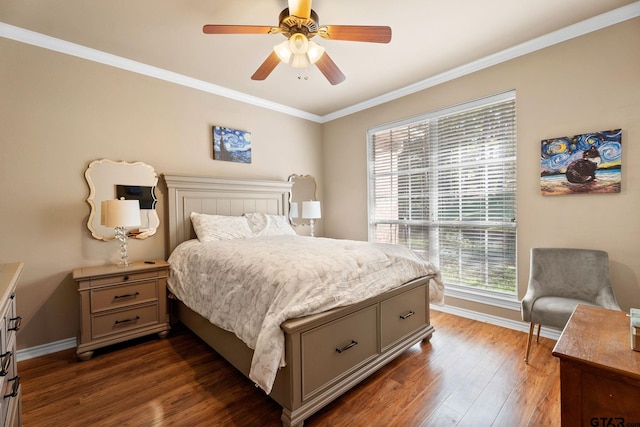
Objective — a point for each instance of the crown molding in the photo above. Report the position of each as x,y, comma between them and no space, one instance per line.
73,49
576,30
581,28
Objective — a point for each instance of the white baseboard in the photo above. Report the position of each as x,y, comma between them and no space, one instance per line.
554,334
44,349
546,332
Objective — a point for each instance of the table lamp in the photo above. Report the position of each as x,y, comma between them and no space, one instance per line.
121,214
311,211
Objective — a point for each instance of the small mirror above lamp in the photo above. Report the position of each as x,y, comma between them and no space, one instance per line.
304,208
113,181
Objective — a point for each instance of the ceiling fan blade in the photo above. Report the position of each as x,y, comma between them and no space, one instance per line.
300,8
357,33
330,69
267,67
236,29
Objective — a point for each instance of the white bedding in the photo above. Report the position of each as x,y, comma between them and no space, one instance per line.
250,286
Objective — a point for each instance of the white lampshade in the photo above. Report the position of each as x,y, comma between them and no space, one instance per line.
298,44
120,213
283,51
293,210
314,52
300,61
311,209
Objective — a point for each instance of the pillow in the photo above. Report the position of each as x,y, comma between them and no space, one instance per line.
269,225
212,228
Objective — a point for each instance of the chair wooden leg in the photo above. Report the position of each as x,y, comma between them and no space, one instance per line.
538,335
529,338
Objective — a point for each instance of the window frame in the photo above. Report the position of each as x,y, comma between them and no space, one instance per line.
485,296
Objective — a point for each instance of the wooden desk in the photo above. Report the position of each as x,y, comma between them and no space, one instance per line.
599,373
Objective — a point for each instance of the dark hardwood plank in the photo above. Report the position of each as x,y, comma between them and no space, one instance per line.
470,373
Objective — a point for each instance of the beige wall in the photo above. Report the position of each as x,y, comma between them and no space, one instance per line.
583,85
57,114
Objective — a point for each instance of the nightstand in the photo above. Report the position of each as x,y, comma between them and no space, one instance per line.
121,303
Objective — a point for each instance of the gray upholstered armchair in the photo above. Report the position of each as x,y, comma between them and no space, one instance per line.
559,280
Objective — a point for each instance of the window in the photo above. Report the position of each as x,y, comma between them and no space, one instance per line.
444,185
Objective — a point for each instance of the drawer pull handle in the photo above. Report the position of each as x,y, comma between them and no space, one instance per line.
125,278
132,319
15,388
16,325
406,316
5,363
133,295
347,347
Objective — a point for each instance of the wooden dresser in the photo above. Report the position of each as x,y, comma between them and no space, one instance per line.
599,373
121,303
11,411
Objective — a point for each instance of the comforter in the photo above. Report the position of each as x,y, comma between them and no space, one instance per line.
250,286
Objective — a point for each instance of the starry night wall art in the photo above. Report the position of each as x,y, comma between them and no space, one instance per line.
231,145
587,163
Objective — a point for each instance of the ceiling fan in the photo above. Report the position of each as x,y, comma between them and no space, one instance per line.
299,23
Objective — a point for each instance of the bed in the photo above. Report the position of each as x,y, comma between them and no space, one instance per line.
325,353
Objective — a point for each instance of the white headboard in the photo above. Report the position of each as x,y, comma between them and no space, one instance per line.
219,196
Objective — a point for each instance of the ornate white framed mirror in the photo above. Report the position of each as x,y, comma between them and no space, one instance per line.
303,189
108,180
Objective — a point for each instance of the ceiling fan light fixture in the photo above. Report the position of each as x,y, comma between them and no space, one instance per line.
300,61
299,51
315,52
298,44
283,51
299,23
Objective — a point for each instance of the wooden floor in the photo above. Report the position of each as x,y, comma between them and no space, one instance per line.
469,374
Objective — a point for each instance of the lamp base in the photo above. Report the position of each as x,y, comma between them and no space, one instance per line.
121,235
311,221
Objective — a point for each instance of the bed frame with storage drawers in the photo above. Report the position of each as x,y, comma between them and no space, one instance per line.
326,354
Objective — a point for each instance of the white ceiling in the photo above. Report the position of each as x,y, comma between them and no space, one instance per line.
430,39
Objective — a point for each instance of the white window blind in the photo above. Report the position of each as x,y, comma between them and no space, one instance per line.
444,185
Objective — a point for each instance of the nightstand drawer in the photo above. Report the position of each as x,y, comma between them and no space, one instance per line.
123,296
124,278
124,320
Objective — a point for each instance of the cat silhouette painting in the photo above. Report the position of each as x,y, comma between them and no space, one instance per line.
583,170
584,163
